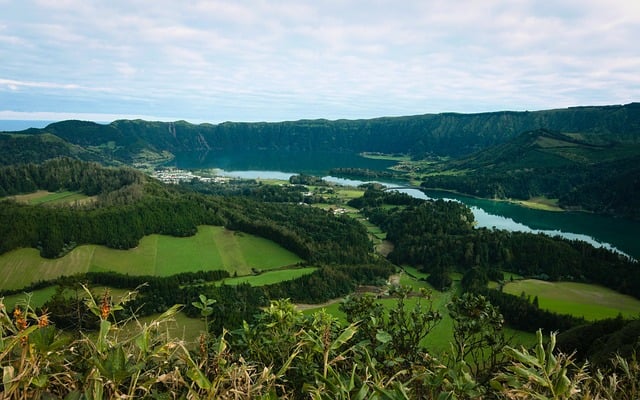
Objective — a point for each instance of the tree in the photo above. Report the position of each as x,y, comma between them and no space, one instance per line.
396,339
478,339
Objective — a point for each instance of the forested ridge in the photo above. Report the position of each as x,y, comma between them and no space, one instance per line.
446,134
129,206
585,173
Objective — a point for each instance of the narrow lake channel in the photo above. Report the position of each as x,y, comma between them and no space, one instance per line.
615,233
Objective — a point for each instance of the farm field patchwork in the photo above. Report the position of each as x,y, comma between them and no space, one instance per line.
212,248
269,277
592,302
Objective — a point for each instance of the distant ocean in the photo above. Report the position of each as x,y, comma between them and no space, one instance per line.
8,125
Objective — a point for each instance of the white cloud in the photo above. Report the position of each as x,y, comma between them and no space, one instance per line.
255,59
14,85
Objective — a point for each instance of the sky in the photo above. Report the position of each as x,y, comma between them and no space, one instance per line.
258,60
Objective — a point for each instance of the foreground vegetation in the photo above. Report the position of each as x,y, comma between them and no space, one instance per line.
283,354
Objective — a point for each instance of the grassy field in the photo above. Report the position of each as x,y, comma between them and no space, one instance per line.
438,339
270,277
348,193
414,272
592,302
36,298
211,248
373,230
51,198
540,203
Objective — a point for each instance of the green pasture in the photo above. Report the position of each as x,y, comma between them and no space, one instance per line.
540,203
50,198
59,198
268,278
510,276
592,302
390,157
212,248
348,193
373,230
181,326
35,299
413,271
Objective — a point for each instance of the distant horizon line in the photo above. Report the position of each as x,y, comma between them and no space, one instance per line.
107,118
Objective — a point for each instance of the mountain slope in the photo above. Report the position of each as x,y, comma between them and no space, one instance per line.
580,171
446,134
544,147
17,148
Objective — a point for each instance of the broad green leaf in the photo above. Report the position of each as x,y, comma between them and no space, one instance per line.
8,373
344,337
40,381
142,341
199,378
562,385
101,343
383,337
74,395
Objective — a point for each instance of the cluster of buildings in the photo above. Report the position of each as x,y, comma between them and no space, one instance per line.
175,176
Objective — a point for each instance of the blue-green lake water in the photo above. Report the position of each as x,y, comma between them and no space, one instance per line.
620,234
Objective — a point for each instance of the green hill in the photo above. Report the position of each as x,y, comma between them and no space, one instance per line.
580,171
37,147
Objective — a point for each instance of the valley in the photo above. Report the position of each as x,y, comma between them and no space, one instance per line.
274,215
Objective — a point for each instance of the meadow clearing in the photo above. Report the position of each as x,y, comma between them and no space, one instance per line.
268,277
439,339
212,248
592,302
52,198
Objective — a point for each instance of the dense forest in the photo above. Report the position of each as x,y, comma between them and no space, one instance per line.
439,235
598,175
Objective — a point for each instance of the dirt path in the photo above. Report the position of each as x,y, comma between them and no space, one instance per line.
394,280
302,307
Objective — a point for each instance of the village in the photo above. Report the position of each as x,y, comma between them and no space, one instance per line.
175,176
